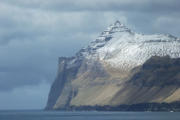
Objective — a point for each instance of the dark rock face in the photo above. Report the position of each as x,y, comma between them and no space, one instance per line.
64,76
62,90
158,71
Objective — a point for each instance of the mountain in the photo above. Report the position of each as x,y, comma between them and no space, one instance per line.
120,67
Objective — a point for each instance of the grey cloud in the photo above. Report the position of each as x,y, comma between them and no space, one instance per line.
168,24
32,41
23,97
97,5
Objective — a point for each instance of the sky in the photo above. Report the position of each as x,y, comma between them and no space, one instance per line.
34,33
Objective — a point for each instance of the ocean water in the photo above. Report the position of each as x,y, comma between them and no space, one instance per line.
56,115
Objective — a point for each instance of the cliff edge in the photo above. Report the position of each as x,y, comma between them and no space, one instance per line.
120,67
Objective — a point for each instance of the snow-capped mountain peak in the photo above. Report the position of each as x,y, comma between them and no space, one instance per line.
114,28
109,33
100,74
120,47
117,27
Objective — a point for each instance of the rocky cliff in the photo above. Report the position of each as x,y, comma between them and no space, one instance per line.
119,67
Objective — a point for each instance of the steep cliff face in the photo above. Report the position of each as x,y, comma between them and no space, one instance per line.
62,85
72,75
114,70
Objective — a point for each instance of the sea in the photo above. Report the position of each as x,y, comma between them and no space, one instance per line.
93,115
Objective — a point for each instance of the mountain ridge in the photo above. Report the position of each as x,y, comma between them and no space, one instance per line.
118,40
98,74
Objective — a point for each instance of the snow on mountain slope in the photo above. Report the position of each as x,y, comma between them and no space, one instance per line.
100,74
119,47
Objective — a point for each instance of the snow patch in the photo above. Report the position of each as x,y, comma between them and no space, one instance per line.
122,48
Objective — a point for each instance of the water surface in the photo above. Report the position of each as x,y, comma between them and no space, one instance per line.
57,115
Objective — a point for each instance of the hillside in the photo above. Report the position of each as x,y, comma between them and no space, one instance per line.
119,67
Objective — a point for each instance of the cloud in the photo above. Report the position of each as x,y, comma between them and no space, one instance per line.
167,24
98,5
32,40
23,97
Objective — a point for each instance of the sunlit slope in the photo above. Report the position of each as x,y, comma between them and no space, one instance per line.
119,67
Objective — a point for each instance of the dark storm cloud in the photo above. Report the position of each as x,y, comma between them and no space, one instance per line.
32,40
100,5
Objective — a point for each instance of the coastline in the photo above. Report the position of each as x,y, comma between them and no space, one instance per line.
141,107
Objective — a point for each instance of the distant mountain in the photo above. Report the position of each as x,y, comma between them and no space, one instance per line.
119,67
